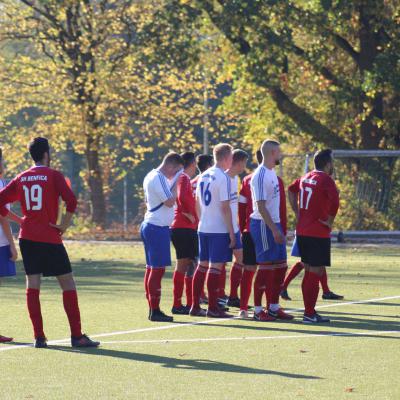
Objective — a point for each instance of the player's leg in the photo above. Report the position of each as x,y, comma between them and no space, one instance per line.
189,282
327,294
158,251
315,253
236,273
294,271
222,297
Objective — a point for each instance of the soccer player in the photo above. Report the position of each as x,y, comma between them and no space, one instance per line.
216,233
8,251
38,190
204,161
314,199
267,234
239,162
160,195
184,235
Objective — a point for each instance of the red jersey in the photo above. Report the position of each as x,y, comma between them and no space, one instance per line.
318,198
38,189
246,205
185,203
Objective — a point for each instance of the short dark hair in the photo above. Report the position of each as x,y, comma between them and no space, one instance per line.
173,158
188,158
259,156
204,161
239,155
37,148
322,158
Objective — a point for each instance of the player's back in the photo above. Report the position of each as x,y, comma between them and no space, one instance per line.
39,189
318,197
213,187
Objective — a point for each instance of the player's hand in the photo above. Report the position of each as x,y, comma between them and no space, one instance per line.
190,217
327,223
232,239
14,253
278,236
62,228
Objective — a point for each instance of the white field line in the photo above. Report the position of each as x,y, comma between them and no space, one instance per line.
228,339
173,326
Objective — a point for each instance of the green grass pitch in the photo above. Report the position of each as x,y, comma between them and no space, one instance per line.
357,356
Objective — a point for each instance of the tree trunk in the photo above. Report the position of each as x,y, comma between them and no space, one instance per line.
95,182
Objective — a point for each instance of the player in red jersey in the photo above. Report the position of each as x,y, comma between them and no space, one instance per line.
314,199
204,161
38,190
184,235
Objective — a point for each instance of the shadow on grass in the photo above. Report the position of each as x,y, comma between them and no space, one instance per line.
181,363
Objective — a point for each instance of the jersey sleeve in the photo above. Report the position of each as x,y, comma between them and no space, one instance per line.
332,194
8,195
65,192
294,187
243,205
259,187
161,188
225,188
282,205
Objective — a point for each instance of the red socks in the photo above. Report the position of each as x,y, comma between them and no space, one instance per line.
179,282
222,283
235,278
188,286
278,277
260,286
71,307
198,284
245,288
310,288
294,271
35,313
213,287
146,283
324,282
154,287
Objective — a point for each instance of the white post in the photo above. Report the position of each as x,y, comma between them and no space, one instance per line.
205,123
125,204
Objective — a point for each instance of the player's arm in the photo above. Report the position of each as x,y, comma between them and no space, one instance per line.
293,193
242,207
227,216
185,198
69,198
332,195
8,234
262,209
8,195
14,218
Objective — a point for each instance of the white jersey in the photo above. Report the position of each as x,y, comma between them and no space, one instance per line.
265,186
156,191
235,203
3,239
213,187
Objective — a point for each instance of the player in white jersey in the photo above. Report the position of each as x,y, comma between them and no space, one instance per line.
267,233
160,196
239,162
216,233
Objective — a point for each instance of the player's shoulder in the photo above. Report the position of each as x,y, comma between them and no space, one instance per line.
246,180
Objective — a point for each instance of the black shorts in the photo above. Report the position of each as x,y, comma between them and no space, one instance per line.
249,250
314,251
186,243
47,259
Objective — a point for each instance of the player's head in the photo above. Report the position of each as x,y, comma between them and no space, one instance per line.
239,161
189,163
171,164
39,150
259,157
204,161
271,152
323,161
222,153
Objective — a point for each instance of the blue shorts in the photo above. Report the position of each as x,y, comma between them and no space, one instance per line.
7,267
295,248
267,250
157,244
214,247
239,244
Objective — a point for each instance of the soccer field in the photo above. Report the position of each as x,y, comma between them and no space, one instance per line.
356,356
